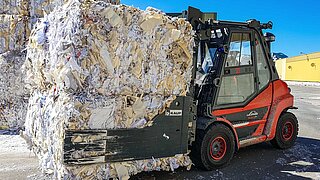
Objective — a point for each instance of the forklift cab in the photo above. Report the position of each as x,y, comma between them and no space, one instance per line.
233,64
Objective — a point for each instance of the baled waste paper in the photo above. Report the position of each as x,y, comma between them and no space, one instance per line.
38,8
14,30
14,7
14,95
34,8
16,20
93,65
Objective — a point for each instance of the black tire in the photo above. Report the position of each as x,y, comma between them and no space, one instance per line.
286,132
208,151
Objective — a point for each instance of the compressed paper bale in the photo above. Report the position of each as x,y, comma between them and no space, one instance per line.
14,7
139,75
38,8
13,32
13,94
87,57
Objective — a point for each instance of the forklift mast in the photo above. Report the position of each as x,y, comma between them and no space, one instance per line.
195,16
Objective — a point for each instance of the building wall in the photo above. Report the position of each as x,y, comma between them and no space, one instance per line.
281,68
300,68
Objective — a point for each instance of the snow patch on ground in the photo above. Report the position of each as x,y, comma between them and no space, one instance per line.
311,175
296,83
16,160
13,145
302,163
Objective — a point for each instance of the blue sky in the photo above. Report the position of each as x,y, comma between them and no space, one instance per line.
296,22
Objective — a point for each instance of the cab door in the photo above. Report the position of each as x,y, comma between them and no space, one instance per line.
244,92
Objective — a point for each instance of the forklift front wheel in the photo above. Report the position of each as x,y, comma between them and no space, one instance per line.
215,147
286,132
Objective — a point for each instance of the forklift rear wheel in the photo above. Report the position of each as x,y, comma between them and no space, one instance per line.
215,147
287,131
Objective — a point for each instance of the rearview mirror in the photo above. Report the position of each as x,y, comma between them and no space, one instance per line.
269,37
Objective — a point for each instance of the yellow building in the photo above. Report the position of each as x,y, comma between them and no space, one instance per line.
300,68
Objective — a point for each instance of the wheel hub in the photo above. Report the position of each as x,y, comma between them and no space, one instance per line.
287,131
218,148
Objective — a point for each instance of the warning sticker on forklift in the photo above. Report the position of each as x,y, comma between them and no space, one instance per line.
174,113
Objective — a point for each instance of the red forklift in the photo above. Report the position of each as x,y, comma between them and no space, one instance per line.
236,99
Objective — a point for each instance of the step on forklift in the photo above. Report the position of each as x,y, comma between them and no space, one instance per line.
236,99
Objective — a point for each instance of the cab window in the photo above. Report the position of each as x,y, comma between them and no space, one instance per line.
262,65
240,50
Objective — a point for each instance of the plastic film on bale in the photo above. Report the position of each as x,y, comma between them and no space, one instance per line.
93,65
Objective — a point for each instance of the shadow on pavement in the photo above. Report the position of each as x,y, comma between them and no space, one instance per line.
260,161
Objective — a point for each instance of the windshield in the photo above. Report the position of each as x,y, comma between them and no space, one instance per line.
207,62
207,58
210,54
209,51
